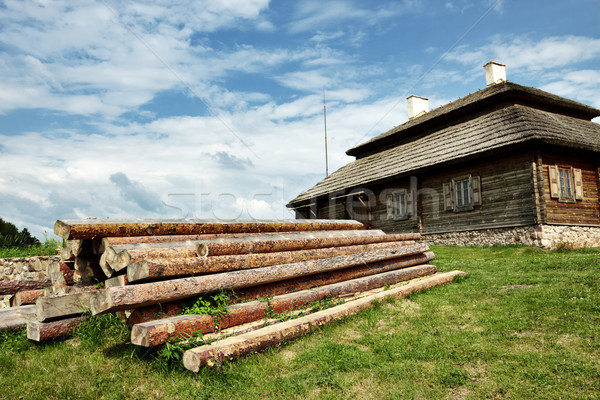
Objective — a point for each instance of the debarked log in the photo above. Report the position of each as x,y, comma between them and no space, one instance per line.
160,331
237,346
61,273
128,254
133,296
12,287
99,228
176,267
39,331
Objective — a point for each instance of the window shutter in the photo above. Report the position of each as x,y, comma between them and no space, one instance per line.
476,190
554,186
578,184
409,203
390,206
448,203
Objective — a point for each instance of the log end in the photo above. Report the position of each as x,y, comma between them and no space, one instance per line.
121,260
100,302
33,330
139,336
62,229
191,361
202,250
137,271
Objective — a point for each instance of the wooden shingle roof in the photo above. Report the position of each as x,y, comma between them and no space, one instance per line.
490,130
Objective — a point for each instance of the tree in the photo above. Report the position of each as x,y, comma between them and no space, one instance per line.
11,237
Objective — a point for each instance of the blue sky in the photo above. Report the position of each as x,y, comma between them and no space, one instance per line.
214,109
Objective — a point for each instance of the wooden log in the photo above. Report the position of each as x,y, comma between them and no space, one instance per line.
154,312
130,253
89,269
177,267
326,278
98,228
39,331
161,240
160,331
106,259
133,296
221,247
27,297
260,339
150,313
16,317
61,273
63,306
12,287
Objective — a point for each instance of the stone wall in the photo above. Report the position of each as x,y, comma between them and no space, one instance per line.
545,236
23,268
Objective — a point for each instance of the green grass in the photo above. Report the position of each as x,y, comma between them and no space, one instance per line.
524,324
48,248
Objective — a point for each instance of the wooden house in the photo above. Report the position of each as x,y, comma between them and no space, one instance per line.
506,164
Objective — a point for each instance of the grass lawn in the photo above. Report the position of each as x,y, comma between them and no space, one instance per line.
524,324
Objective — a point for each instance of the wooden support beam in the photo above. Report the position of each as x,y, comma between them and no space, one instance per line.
12,287
260,339
133,296
40,331
16,317
177,267
63,306
98,228
160,331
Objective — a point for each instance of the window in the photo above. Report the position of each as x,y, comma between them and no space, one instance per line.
399,204
566,183
462,193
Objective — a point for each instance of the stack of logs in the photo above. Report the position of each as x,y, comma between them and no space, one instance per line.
146,270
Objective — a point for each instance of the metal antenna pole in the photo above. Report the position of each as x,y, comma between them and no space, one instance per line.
325,123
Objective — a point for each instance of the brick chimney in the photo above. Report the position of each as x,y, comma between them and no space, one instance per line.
494,73
417,106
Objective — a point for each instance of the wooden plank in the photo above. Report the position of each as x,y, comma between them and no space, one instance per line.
133,296
177,267
16,317
40,331
63,306
260,339
160,331
98,228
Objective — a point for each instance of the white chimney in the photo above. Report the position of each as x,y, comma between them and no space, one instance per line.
417,106
494,73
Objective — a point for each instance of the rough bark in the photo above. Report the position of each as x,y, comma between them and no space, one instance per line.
133,296
159,332
221,247
290,285
27,297
12,287
39,331
16,317
271,335
99,228
177,267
